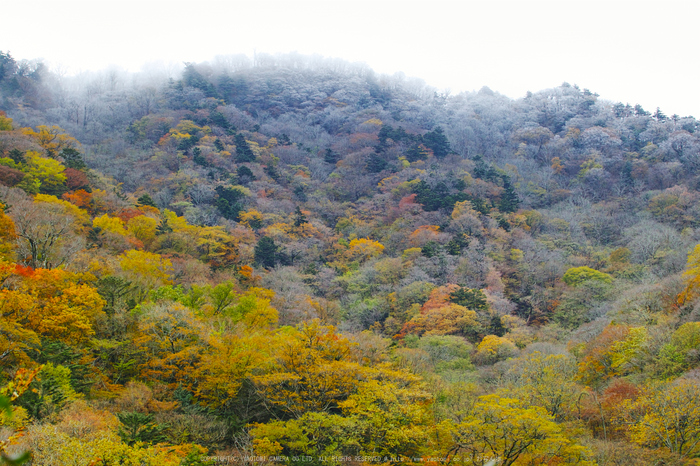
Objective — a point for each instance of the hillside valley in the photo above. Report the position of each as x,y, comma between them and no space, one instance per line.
296,259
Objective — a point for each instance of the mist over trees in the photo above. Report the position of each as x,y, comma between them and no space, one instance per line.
293,255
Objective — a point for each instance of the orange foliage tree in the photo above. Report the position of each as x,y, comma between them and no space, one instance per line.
45,303
170,342
601,357
439,316
7,235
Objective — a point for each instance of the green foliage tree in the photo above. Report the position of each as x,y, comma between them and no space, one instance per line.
471,299
193,78
245,175
577,303
139,427
682,352
266,252
243,151
219,119
146,199
330,157
436,197
17,156
437,142
50,392
416,152
222,296
509,199
577,275
375,163
113,290
73,159
198,158
229,201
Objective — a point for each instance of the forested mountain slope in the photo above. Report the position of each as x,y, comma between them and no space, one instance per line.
298,257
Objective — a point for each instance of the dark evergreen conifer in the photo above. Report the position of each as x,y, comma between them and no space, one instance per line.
72,159
331,157
375,163
146,200
139,427
245,175
416,152
272,172
266,252
243,151
229,202
437,142
218,119
17,156
509,199
474,300
198,158
299,217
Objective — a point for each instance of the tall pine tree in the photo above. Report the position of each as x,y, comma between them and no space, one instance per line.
375,163
266,252
509,199
243,151
437,142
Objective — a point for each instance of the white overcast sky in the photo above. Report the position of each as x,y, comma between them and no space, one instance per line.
629,51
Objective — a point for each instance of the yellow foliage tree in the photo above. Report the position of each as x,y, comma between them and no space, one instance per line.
357,250
440,316
311,372
14,419
380,419
52,138
254,310
511,433
217,246
691,275
43,174
171,340
667,416
5,122
602,359
145,269
252,219
143,228
50,303
278,231
7,235
494,348
224,368
548,381
314,369
111,224
449,319
178,224
64,444
363,249
389,419
82,218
